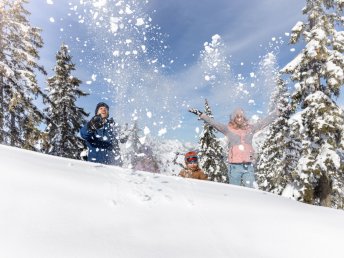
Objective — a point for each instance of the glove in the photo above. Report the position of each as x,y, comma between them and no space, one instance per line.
195,111
95,123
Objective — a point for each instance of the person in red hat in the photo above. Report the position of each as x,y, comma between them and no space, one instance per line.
192,169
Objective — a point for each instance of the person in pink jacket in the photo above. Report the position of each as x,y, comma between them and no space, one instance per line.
239,133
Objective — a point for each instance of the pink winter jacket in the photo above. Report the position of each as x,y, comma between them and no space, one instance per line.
239,140
243,152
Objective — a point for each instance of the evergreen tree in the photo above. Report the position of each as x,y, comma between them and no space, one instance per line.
65,117
133,145
139,153
211,152
19,44
318,72
276,159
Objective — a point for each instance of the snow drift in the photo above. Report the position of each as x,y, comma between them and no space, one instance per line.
57,207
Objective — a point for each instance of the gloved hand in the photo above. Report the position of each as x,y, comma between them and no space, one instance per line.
95,123
195,111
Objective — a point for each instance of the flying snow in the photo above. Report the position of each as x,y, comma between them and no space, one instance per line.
140,22
146,130
162,131
99,3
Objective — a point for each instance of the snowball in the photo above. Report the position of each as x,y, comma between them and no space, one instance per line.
51,19
128,10
50,2
149,114
114,27
162,131
140,22
99,3
216,38
114,24
146,130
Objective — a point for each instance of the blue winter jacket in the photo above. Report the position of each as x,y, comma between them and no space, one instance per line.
103,144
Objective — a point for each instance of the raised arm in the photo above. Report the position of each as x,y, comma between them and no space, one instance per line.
265,122
218,126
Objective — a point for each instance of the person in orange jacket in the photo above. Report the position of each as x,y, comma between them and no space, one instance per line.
192,169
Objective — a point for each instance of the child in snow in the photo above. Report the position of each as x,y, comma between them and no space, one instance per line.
192,169
239,134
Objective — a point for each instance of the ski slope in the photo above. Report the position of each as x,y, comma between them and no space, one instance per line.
57,207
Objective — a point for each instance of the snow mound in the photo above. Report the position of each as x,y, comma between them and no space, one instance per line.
57,207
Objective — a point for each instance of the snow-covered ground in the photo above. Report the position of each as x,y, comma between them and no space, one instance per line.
56,207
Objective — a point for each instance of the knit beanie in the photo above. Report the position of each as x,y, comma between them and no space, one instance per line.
101,104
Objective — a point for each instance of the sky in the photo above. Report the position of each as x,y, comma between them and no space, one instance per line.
144,58
58,207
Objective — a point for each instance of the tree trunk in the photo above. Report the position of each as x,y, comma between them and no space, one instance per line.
13,129
323,190
2,127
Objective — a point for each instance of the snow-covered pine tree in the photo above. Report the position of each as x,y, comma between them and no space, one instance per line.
138,153
132,146
276,159
319,73
19,44
211,152
65,117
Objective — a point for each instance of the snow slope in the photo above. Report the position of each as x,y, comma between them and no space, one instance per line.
56,207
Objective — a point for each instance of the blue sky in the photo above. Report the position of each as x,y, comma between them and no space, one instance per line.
157,87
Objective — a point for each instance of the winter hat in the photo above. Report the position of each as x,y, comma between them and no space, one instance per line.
238,111
241,112
191,156
101,104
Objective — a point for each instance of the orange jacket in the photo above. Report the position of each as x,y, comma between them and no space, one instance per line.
195,174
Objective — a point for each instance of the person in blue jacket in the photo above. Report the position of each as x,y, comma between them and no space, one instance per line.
102,136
